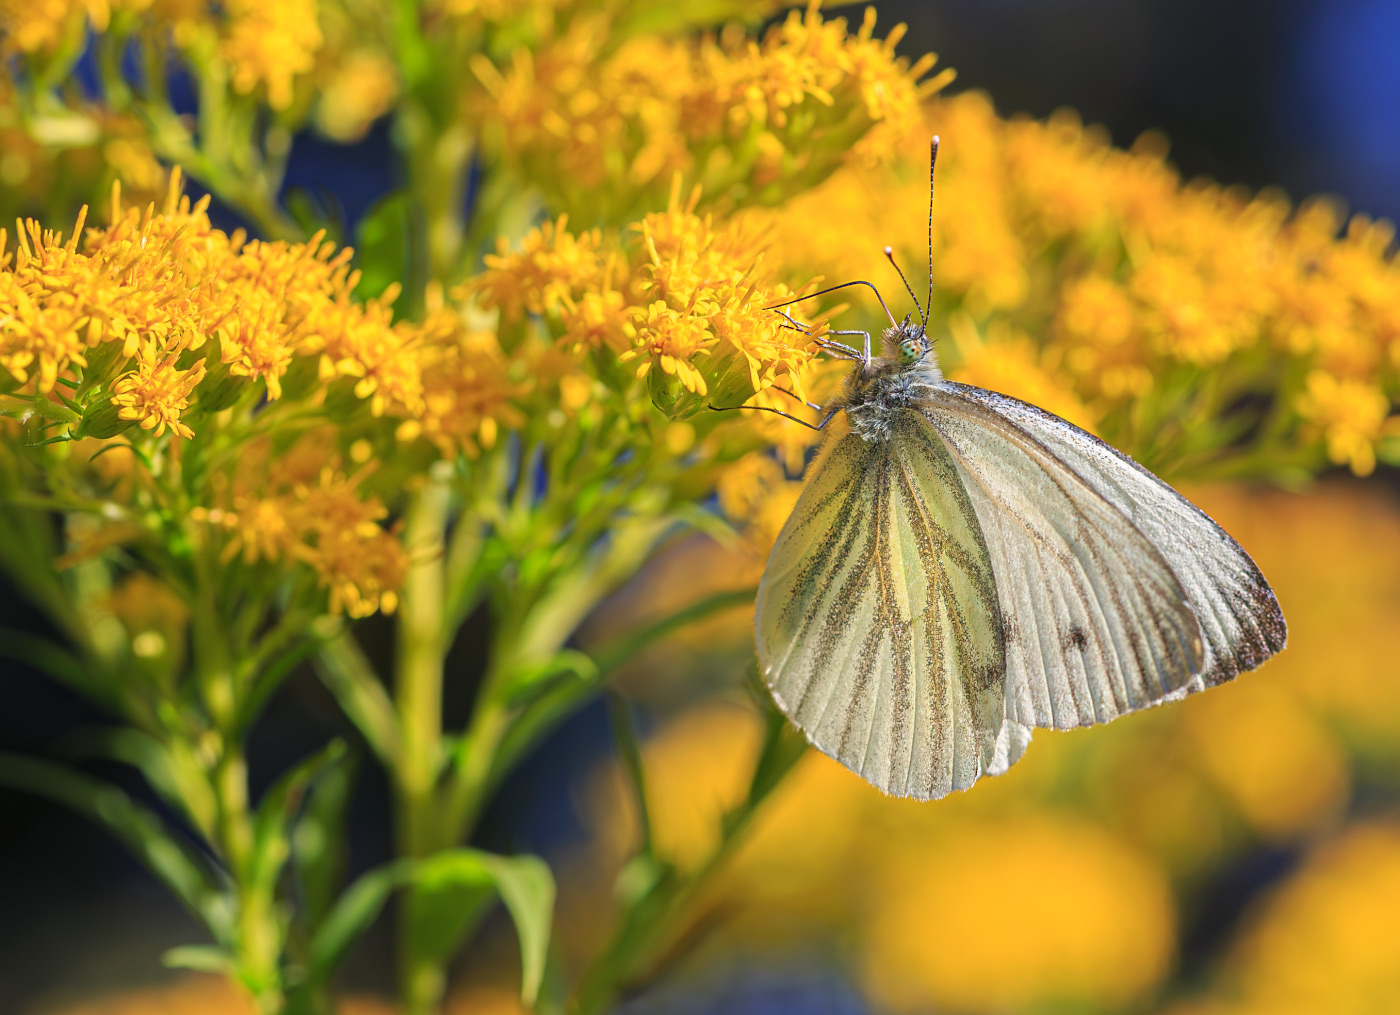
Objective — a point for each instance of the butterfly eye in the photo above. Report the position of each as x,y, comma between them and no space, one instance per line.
909,351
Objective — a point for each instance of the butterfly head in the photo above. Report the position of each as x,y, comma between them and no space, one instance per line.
909,342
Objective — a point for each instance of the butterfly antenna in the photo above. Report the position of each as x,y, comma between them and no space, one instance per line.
932,161
889,253
832,289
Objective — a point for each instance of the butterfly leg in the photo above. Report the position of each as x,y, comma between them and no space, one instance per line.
865,356
810,405
763,408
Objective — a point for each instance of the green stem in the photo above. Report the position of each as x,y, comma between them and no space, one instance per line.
422,644
653,924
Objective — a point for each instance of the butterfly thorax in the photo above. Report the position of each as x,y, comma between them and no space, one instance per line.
886,385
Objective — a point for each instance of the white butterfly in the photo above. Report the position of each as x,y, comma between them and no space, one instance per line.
962,568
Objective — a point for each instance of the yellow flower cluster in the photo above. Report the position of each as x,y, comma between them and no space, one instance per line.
270,44
681,294
737,116
43,26
471,388
1143,287
298,506
144,295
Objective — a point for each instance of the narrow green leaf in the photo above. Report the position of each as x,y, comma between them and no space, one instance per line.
271,830
172,769
182,870
318,839
352,913
54,660
201,958
347,674
383,241
625,733
524,884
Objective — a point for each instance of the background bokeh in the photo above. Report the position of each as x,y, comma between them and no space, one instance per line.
1239,852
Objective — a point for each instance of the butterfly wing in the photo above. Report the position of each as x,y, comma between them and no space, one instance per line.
878,624
1123,593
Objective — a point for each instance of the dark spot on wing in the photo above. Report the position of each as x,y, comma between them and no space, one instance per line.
1075,639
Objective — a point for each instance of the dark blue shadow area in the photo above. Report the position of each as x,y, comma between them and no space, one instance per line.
1339,113
343,180
800,990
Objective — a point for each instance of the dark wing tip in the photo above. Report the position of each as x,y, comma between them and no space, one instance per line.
1263,634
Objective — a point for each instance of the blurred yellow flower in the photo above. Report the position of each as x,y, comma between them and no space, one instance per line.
296,509
1017,914
1326,940
470,386
1142,297
1285,772
1352,415
362,87
35,27
269,44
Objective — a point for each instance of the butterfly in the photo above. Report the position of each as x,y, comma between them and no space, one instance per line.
962,568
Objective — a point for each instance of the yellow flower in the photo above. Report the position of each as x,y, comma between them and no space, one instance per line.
1013,915
1352,415
363,87
292,508
470,388
42,25
1326,941
157,286
269,44
1008,362
600,123
551,266
156,393
673,340
1282,768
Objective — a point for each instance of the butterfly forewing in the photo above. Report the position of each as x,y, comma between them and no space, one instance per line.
1102,623
879,628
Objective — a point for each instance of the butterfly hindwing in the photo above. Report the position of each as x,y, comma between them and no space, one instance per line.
1239,614
879,628
1103,623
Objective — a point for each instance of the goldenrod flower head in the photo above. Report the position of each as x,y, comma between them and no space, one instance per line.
290,508
269,44
470,387
671,339
42,25
1352,415
1141,295
605,124
151,289
156,392
551,267
363,86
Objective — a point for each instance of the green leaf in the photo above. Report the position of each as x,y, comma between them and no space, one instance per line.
201,958
271,839
524,884
53,659
625,733
383,241
352,913
530,683
318,839
172,769
176,864
347,674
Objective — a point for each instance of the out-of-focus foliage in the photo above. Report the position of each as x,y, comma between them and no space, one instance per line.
219,448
